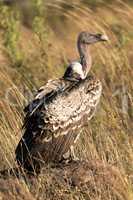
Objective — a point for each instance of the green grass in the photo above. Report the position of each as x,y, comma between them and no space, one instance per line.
41,52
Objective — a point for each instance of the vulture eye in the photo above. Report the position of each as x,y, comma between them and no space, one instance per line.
99,35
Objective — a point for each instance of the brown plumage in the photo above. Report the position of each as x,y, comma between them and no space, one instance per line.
59,110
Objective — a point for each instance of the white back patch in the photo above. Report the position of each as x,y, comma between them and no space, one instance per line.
77,68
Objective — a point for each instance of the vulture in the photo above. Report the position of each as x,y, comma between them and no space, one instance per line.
60,109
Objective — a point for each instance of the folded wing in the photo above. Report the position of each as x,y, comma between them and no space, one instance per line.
53,118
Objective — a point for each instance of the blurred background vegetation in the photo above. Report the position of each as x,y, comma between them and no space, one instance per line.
38,40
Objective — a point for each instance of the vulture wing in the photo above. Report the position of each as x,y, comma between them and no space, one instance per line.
53,117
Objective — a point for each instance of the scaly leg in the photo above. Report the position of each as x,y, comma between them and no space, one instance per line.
73,156
70,155
67,155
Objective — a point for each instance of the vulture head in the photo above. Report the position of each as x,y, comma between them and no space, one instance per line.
79,70
90,38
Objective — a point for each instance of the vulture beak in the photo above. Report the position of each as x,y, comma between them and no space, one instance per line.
104,38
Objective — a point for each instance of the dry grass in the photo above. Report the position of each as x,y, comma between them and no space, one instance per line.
102,182
14,189
108,137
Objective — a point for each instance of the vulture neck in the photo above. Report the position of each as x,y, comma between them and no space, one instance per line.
85,57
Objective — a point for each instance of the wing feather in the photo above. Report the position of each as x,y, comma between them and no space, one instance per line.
52,118
36,122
